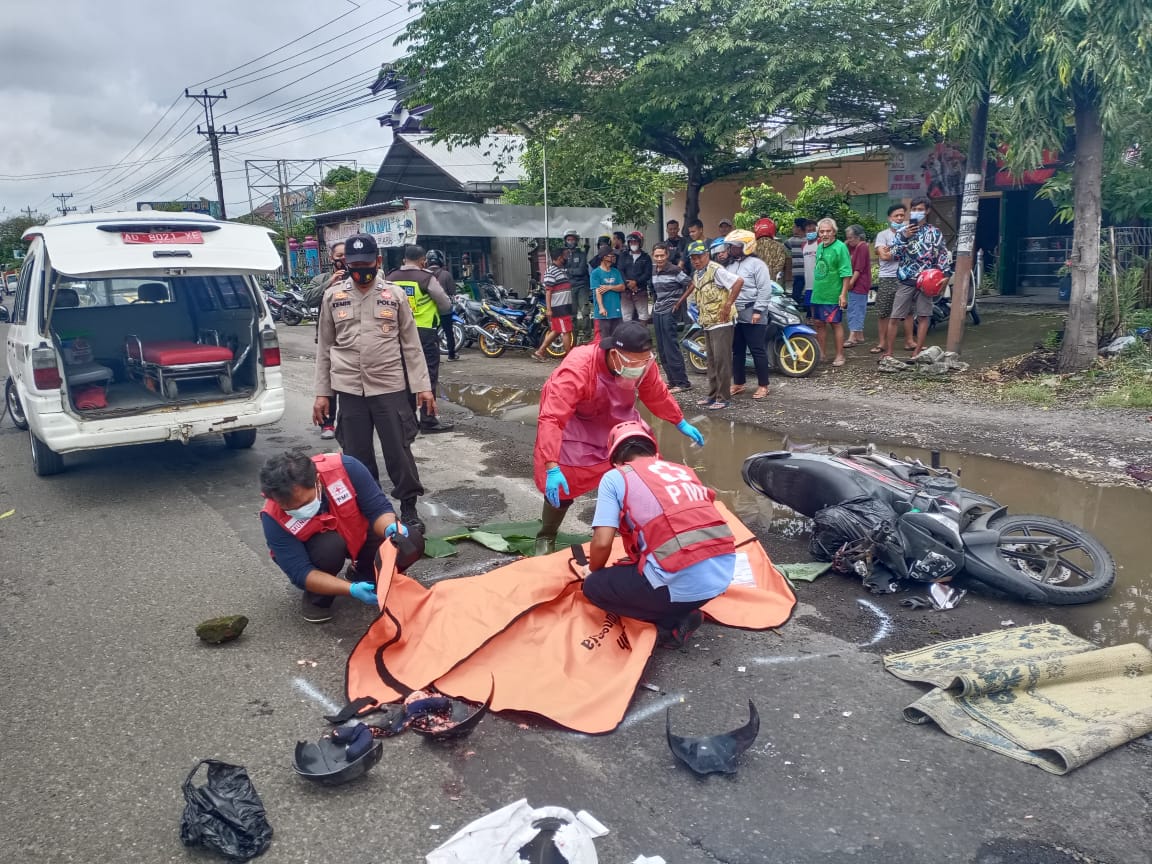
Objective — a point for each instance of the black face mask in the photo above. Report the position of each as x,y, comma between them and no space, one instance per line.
363,275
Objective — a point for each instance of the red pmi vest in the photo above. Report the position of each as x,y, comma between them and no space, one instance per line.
343,512
689,529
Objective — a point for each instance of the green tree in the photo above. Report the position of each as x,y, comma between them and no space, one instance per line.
1048,61
10,233
708,85
819,198
586,169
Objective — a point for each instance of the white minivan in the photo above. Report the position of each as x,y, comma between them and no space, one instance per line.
129,328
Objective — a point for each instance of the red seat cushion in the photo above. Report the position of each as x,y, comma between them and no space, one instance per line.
178,353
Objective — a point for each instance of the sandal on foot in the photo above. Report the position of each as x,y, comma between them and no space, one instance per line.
761,393
876,350
839,361
716,406
704,403
736,389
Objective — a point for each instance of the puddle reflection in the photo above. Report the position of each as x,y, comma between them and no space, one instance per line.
1118,516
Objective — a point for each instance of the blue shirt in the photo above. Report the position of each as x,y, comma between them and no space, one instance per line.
599,277
701,581
289,553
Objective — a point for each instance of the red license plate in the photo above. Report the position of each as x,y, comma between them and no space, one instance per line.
167,238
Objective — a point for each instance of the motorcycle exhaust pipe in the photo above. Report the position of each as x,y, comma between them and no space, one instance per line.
694,349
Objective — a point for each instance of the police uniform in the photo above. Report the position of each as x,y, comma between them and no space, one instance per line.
369,358
427,299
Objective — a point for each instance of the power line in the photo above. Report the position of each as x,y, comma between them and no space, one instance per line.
213,136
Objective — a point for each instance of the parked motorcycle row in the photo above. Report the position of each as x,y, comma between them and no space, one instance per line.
287,304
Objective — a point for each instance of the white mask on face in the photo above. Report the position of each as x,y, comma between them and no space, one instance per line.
307,511
635,247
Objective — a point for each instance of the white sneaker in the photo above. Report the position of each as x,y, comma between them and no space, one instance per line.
327,433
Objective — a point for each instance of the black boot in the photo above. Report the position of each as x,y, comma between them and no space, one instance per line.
409,515
550,519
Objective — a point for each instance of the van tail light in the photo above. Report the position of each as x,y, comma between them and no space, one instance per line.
45,372
269,348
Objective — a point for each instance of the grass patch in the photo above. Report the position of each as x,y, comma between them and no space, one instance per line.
1029,391
1126,396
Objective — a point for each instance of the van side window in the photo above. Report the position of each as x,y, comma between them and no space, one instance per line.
24,289
233,292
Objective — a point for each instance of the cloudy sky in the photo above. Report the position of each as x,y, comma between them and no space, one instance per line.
87,85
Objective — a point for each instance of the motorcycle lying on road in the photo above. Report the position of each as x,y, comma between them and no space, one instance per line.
516,324
922,526
792,345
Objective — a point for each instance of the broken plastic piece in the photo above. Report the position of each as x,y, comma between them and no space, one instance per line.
715,753
916,603
336,760
944,596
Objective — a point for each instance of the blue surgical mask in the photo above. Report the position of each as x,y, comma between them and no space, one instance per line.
917,216
896,226
811,235
307,511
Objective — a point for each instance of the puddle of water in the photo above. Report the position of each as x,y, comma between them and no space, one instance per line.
1117,516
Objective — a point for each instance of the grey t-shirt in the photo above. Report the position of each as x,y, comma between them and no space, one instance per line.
668,283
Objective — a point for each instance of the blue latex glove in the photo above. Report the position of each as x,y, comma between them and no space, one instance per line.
686,428
394,528
365,592
555,481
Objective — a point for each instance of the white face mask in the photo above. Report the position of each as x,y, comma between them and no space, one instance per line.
629,375
917,216
308,510
635,247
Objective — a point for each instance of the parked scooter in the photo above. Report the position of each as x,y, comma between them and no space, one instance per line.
461,339
294,310
516,324
792,345
923,526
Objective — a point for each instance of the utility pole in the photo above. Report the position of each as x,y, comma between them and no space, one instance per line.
962,281
63,207
213,135
28,211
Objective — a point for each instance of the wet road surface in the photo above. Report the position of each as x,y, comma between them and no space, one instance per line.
109,699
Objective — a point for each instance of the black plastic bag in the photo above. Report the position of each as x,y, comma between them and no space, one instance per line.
857,519
226,814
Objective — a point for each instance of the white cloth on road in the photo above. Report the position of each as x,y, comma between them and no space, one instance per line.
498,837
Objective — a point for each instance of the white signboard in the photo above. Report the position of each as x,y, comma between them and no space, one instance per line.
391,229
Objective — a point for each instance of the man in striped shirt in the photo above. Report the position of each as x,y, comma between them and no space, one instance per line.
558,302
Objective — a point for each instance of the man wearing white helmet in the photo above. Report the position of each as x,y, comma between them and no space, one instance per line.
751,305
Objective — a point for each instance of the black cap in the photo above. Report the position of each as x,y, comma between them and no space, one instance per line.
630,336
361,247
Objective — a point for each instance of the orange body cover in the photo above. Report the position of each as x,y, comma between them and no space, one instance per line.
526,632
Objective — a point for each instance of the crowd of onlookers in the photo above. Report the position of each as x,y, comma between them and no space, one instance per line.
730,279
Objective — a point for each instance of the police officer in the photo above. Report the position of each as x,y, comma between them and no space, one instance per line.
576,263
370,360
428,300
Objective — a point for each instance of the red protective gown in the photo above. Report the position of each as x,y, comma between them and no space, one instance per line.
580,403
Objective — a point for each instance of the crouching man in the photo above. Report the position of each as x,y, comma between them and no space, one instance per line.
321,511
681,552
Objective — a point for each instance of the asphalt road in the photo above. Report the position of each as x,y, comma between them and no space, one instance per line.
109,699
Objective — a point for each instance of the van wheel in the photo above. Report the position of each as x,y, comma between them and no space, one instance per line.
12,398
241,439
45,461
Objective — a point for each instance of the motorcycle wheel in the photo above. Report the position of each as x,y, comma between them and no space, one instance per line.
555,348
807,356
697,363
489,347
1069,564
291,317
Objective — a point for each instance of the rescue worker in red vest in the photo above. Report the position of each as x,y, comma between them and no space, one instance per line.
429,300
681,552
593,389
322,510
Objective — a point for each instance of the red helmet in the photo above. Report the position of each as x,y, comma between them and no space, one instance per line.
637,236
764,228
932,282
621,432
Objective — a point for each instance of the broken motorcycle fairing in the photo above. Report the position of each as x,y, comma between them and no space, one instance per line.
714,754
525,635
